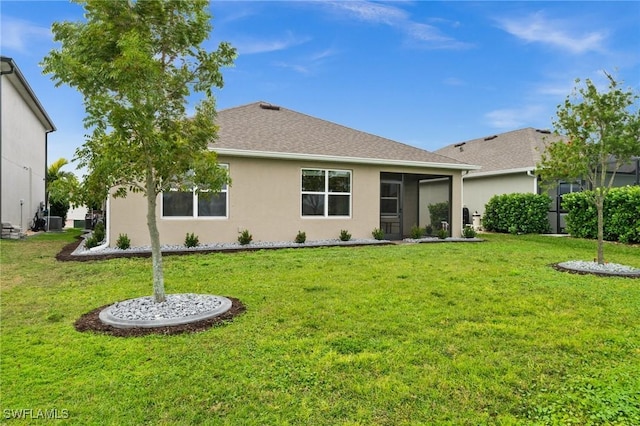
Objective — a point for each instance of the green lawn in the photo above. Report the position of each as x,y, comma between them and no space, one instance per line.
477,333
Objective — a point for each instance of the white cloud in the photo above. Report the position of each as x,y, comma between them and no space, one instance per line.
18,35
253,46
514,118
373,12
309,64
425,35
454,81
537,28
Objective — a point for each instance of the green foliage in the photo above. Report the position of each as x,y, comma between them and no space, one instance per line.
601,133
191,240
245,237
377,234
63,189
137,65
439,212
621,215
99,232
416,232
91,241
301,237
469,232
345,235
123,242
435,334
518,213
442,233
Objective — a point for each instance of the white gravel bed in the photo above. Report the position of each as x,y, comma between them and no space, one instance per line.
175,306
81,250
607,268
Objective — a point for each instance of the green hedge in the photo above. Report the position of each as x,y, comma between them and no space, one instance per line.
621,215
517,214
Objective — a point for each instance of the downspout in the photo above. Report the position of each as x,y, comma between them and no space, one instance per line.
535,181
107,227
11,69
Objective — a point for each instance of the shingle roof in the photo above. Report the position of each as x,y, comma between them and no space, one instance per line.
261,127
518,149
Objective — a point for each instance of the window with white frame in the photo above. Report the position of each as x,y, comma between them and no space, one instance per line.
326,193
196,203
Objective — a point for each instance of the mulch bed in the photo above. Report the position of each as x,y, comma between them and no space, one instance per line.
91,322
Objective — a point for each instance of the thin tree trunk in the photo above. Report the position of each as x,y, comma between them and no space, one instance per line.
600,210
156,253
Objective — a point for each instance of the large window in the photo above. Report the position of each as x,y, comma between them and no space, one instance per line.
195,203
326,193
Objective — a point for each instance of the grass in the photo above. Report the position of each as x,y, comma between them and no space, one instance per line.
464,334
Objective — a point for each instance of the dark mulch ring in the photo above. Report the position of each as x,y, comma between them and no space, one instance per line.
91,322
560,268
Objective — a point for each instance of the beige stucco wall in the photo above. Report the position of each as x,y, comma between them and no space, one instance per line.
23,158
478,191
265,199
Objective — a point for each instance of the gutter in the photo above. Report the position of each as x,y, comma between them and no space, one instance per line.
334,159
500,172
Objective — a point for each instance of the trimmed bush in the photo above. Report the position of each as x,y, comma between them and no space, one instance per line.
621,215
301,237
518,213
245,237
469,232
99,232
191,240
416,232
345,235
378,234
91,242
123,242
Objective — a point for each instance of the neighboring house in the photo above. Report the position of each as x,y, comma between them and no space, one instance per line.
24,126
292,172
508,162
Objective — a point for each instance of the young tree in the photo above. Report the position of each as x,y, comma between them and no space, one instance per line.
62,189
138,64
602,133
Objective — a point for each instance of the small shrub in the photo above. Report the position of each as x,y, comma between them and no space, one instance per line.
123,242
428,230
345,235
245,237
91,241
99,232
513,230
301,237
416,232
377,234
443,233
469,232
191,240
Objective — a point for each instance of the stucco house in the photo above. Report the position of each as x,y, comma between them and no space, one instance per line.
25,126
507,165
293,172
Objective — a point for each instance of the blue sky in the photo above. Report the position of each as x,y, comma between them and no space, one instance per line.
419,72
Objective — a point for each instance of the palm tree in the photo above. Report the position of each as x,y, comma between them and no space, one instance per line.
62,188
